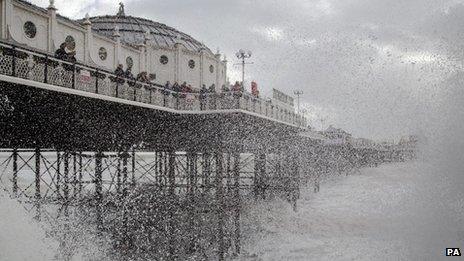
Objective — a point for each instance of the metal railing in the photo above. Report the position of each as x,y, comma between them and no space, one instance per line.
42,67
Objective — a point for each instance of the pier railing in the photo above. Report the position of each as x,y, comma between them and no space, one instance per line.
41,67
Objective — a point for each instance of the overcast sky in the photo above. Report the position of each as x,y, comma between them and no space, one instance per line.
377,68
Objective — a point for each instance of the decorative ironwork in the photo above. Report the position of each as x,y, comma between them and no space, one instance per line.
19,62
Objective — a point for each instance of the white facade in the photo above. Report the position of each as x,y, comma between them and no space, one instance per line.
52,29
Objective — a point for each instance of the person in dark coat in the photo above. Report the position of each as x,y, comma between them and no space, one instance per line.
143,77
119,71
212,88
203,92
176,87
120,75
61,53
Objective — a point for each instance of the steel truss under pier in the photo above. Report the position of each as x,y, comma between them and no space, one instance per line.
161,204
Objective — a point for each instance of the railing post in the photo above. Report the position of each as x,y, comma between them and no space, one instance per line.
164,97
46,69
117,87
73,83
97,76
13,62
135,90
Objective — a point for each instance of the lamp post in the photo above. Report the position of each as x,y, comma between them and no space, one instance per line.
241,54
298,93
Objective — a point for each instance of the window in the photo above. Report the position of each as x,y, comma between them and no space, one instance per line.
102,53
70,43
164,59
129,62
191,64
211,69
30,30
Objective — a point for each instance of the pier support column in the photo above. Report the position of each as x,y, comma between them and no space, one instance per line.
260,172
38,195
124,157
133,169
191,194
58,173
294,160
66,178
206,172
74,182
15,171
98,189
237,202
171,214
220,204
79,176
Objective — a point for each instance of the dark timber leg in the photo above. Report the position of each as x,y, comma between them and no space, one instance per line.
74,182
37,182
58,173
80,172
206,172
260,172
133,169
66,177
191,197
220,205
118,174
15,171
295,176
171,215
125,155
99,189
237,201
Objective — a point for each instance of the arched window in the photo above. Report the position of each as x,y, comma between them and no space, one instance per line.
30,29
211,69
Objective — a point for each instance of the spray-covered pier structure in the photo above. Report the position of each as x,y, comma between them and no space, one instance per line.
161,173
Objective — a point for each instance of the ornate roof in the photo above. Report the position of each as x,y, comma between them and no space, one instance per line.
134,31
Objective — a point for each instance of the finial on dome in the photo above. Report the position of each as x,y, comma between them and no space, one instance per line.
121,10
87,19
52,5
177,40
147,36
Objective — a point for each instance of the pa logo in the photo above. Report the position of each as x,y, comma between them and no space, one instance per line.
453,252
